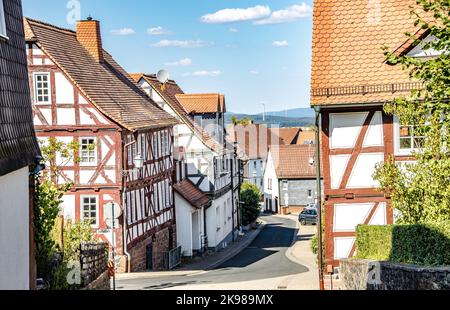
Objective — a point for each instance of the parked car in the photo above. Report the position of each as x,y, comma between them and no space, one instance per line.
308,216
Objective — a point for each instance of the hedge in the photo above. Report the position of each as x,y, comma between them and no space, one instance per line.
419,244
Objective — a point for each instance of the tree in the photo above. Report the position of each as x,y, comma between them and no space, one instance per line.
421,191
244,122
250,196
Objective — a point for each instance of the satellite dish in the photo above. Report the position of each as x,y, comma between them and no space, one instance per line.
163,76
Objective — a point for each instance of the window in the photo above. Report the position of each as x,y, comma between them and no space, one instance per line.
42,87
255,165
409,139
2,21
310,193
88,152
89,210
269,184
285,185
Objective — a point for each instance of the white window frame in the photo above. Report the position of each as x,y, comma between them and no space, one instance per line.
399,151
89,164
285,186
35,74
3,30
97,220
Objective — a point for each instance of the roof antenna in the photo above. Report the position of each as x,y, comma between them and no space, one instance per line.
163,77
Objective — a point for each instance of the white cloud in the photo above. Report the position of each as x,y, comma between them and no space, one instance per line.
283,43
253,72
236,15
233,30
289,14
182,44
123,32
204,73
185,62
157,31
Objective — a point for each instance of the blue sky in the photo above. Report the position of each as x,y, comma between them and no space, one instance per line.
260,52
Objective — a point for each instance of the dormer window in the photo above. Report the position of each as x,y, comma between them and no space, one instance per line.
419,51
2,21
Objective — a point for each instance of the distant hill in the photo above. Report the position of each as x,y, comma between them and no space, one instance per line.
295,118
293,113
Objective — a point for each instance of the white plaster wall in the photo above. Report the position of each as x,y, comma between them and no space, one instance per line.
343,247
14,231
68,207
64,89
345,129
270,173
215,235
183,212
66,116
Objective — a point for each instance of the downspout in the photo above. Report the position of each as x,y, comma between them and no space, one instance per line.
124,211
319,198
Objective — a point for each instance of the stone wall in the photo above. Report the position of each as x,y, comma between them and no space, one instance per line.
102,283
160,243
375,275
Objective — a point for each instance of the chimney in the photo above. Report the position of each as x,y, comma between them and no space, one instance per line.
88,34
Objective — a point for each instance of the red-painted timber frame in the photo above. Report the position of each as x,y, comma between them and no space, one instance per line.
347,195
156,169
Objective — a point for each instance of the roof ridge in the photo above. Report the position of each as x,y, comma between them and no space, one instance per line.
50,26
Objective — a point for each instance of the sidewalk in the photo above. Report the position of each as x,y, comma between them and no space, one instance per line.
301,253
203,264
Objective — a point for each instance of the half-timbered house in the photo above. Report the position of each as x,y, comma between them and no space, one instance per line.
18,152
125,141
351,81
206,161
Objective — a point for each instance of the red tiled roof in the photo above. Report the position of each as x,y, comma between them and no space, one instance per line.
306,136
293,161
289,135
202,103
254,139
104,83
191,194
348,62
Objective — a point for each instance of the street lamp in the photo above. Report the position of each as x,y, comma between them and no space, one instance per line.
138,161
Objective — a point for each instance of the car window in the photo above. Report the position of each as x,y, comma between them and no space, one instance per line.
313,212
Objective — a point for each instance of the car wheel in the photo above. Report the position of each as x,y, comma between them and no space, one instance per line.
303,222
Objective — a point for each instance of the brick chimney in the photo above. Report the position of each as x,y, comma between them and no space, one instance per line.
88,34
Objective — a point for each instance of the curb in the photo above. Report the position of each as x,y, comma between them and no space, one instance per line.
239,249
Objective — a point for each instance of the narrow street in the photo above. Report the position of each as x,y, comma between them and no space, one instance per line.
262,265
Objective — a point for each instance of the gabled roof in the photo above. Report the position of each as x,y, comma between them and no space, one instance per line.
253,140
105,84
18,144
202,103
348,62
306,136
169,94
191,194
289,135
293,161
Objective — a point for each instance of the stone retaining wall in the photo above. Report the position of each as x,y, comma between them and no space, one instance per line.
102,283
375,275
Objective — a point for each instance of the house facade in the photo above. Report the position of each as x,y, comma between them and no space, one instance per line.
290,179
207,167
18,152
124,152
254,141
351,81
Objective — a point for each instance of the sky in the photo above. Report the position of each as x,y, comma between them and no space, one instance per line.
256,52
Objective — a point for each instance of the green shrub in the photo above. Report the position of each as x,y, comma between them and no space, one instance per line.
250,196
419,244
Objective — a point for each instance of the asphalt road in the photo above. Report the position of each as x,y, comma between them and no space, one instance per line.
263,259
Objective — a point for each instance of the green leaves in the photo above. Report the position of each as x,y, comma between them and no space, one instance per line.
250,197
420,244
421,191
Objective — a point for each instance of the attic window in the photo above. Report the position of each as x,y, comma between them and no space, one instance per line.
419,52
2,21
